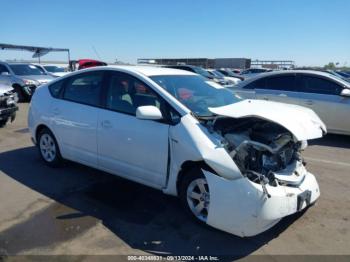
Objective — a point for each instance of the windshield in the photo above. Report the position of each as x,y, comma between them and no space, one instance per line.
26,70
54,69
218,74
196,93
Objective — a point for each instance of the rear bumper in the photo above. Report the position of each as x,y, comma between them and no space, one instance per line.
6,113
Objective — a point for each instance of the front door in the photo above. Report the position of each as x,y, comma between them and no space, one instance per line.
127,146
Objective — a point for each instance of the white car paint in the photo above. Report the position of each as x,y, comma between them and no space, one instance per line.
139,150
301,121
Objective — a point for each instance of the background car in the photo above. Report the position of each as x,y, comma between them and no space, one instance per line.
8,104
326,94
254,71
53,70
23,77
200,71
217,73
84,63
230,73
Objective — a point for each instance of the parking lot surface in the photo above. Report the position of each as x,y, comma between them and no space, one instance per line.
79,210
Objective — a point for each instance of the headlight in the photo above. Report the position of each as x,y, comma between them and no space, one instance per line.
29,82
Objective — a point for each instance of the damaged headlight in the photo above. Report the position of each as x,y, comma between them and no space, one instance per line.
30,82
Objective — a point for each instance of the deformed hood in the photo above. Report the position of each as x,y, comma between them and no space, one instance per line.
5,88
302,122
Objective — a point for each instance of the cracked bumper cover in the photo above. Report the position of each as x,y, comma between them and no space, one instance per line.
240,206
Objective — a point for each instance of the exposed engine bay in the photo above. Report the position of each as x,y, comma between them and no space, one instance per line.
261,149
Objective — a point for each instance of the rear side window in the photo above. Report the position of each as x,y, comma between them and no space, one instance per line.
56,88
84,88
317,85
284,83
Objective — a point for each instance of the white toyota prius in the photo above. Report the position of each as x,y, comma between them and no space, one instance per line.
235,164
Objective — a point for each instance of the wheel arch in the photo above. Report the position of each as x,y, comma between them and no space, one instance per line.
39,128
187,166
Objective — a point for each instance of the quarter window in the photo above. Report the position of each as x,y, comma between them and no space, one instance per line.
56,88
311,84
84,88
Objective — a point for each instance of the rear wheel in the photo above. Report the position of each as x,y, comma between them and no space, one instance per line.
48,148
195,195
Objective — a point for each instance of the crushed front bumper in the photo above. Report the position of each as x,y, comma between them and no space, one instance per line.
241,207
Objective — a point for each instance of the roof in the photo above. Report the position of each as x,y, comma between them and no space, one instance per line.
284,72
153,70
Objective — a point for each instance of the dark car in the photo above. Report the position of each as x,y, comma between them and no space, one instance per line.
8,104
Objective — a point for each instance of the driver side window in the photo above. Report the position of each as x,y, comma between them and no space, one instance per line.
125,94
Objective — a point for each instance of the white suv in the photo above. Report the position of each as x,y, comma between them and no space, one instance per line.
235,164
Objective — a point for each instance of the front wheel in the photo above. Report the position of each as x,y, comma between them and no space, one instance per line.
195,195
48,148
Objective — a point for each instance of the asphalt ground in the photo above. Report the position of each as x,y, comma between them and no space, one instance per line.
76,210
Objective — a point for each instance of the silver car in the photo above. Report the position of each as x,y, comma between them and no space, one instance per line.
326,94
23,77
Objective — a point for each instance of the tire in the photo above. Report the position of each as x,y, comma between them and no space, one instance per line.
3,122
48,148
194,194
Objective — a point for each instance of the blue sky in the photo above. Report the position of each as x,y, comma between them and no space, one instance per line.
312,32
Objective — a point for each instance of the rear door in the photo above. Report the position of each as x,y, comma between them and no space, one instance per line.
74,117
323,96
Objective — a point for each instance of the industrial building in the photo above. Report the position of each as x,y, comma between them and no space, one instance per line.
241,63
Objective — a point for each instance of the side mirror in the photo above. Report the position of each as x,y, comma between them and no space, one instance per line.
148,113
345,92
5,73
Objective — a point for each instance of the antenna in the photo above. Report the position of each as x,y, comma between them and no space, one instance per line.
98,56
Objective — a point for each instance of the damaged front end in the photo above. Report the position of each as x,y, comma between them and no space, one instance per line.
274,183
265,152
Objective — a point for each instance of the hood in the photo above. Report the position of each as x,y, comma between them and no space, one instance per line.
42,79
58,74
4,89
302,122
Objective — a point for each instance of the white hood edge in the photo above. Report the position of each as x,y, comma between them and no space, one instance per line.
302,122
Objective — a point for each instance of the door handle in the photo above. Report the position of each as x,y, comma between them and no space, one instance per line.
309,102
106,124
